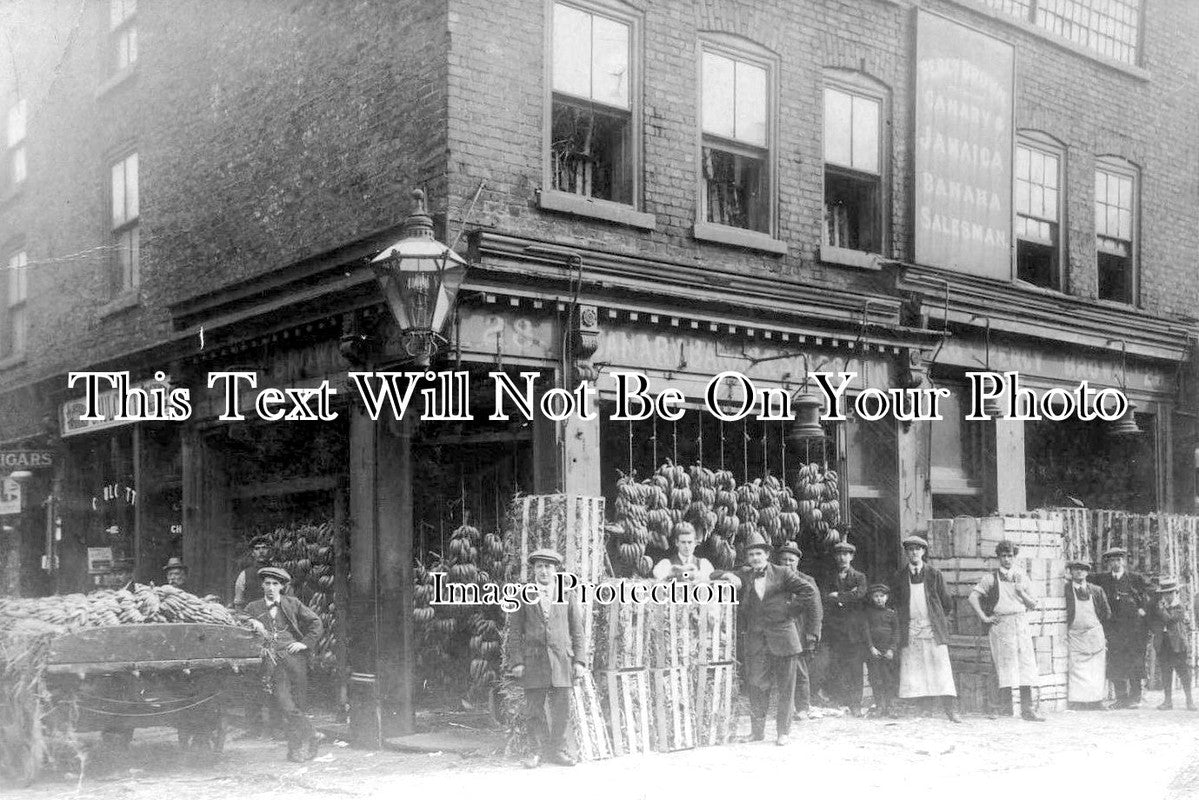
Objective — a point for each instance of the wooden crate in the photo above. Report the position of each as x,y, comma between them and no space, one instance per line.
622,635
630,710
715,695
674,713
716,639
671,637
588,725
571,524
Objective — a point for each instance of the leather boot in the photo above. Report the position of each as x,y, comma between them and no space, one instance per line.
1027,709
951,712
1004,707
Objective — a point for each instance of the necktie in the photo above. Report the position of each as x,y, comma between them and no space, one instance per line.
759,573
1081,593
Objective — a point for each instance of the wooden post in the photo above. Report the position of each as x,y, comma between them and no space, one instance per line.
915,495
365,713
581,457
1004,469
395,533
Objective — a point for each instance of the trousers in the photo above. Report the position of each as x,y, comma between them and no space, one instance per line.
845,672
803,683
289,690
548,712
1170,662
767,675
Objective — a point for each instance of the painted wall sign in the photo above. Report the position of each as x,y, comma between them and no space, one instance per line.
964,145
26,459
108,405
10,497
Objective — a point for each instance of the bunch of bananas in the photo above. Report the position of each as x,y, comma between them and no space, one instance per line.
819,503
130,606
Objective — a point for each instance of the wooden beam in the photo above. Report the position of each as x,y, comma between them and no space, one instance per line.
319,483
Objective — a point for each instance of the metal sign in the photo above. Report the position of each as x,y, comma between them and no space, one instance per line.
108,405
964,146
13,459
10,497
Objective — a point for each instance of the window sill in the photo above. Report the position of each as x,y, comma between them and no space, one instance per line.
116,80
1129,69
15,360
845,257
122,302
738,237
566,203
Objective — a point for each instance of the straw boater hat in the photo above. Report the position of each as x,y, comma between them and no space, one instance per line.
1167,585
912,540
844,547
278,573
756,542
546,554
1115,552
174,562
790,547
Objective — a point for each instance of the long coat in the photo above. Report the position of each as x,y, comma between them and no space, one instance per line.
768,623
1126,630
302,621
935,593
547,648
841,612
1102,610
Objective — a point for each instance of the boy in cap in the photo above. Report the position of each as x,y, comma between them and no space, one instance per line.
1086,611
921,603
1126,631
1172,640
880,632
291,630
842,631
547,654
770,636
789,556
1000,599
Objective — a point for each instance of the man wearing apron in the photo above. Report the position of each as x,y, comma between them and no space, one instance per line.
1000,600
1086,611
921,600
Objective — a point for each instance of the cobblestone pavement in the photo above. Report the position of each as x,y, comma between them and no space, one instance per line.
1143,754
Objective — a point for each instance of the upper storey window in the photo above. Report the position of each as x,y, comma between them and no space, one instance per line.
853,168
1038,213
1109,27
1115,230
122,26
15,142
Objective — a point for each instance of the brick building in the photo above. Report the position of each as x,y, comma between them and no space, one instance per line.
903,190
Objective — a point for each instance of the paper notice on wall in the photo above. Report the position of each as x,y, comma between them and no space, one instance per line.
99,559
964,147
10,497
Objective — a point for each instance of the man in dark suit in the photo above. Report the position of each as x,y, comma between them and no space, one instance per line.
1126,630
770,638
842,633
547,654
291,630
789,556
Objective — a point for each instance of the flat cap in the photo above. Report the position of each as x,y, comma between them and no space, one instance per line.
546,554
262,539
879,587
1078,565
174,562
844,547
1115,552
278,573
790,547
912,540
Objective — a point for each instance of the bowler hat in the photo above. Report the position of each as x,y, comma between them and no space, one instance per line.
1078,565
278,573
1115,552
879,587
912,540
546,554
1166,585
790,547
1006,546
756,542
844,547
174,562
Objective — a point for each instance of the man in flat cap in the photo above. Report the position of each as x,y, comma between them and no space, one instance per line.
1086,611
802,611
770,637
176,572
922,604
547,653
291,630
1172,639
248,585
1127,632
1000,599
842,630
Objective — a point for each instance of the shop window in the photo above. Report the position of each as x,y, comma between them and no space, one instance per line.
1115,222
592,150
1038,213
735,150
122,26
125,228
853,175
15,145
16,292
1108,27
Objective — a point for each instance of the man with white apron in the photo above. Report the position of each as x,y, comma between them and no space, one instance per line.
921,600
1000,599
1086,611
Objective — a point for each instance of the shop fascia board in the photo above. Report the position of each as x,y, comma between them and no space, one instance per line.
1041,315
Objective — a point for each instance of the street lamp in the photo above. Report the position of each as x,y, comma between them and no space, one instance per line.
420,278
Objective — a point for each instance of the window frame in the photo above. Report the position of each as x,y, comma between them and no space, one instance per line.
1122,168
117,32
9,351
11,147
859,84
552,199
738,48
1046,145
1034,18
116,230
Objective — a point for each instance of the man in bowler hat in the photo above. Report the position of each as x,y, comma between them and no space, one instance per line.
1127,630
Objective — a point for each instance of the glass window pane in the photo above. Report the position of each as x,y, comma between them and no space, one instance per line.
1036,201
1100,219
1052,166
750,123
718,88
1100,186
1022,154
132,206
1125,231
610,62
118,193
1113,221
16,123
1022,197
572,51
838,123
865,134
1113,190
1051,204
1125,193
1036,167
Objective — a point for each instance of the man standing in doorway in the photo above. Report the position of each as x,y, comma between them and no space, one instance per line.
789,556
247,587
1127,630
1000,599
770,637
921,603
547,654
842,631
